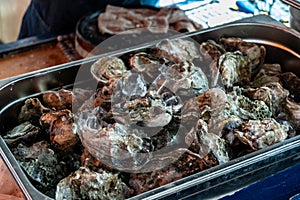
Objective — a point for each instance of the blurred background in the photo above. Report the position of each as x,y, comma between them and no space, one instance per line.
206,12
11,13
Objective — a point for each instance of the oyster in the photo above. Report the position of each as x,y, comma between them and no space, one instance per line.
254,53
292,110
143,62
32,110
42,165
267,73
60,126
211,52
258,134
244,108
113,145
183,77
65,99
291,82
210,143
268,70
107,68
25,132
234,68
272,93
177,51
186,164
86,184
213,108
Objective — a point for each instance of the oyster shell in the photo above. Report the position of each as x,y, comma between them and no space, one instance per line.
210,143
292,110
258,134
106,68
187,164
244,108
42,165
65,99
185,76
272,93
178,50
143,62
291,82
86,184
25,132
211,50
32,110
234,68
254,53
60,126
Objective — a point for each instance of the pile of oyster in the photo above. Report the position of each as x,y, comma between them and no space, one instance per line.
157,115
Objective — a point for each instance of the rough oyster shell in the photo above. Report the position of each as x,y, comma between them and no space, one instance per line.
258,134
292,110
143,62
107,68
254,53
25,132
41,164
60,126
86,184
234,68
272,93
291,82
244,108
32,110
65,99
178,50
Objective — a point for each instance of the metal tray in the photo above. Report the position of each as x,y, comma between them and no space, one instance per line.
283,46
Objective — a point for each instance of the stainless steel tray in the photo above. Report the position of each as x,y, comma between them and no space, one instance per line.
283,46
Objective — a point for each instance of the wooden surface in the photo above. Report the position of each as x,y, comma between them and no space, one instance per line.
8,187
